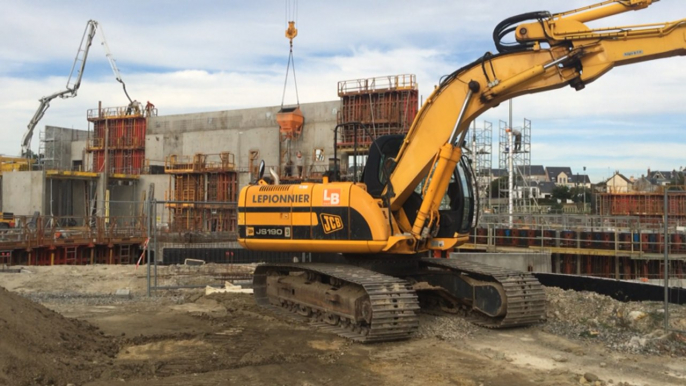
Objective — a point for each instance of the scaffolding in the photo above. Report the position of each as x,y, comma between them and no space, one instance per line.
516,163
481,155
382,106
203,191
117,140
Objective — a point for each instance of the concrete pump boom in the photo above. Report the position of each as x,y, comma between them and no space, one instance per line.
72,87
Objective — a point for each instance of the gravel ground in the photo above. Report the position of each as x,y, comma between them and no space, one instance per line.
633,327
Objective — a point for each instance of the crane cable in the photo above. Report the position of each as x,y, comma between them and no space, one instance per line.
291,33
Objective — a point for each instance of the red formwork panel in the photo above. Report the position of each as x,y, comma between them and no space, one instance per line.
678,243
549,238
222,186
607,240
125,137
646,205
482,236
645,246
568,239
568,264
625,241
533,237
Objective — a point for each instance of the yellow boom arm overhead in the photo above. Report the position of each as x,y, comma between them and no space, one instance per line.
575,55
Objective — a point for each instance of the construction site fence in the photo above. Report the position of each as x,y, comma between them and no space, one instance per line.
26,232
585,222
615,247
200,220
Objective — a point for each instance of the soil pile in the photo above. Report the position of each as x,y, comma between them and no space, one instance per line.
41,347
622,326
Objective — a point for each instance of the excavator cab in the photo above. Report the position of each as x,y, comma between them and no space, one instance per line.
459,208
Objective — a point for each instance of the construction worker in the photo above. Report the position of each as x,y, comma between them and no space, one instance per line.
149,107
299,163
518,140
288,169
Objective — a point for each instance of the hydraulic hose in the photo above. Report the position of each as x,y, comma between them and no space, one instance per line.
509,25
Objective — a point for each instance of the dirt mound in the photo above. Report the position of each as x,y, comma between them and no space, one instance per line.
621,326
39,346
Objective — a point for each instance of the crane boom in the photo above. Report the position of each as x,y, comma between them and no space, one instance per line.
73,81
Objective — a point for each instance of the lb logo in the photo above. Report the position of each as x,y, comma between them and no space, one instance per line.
331,223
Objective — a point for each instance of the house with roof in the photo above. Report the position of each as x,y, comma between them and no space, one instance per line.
538,173
618,183
579,181
535,189
558,175
658,177
645,184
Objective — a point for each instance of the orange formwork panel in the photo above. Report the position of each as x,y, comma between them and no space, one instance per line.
650,206
121,132
388,105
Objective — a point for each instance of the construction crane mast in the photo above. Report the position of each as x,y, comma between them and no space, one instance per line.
74,80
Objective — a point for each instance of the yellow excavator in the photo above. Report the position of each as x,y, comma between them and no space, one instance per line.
417,192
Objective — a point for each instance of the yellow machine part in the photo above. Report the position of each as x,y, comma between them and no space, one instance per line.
338,216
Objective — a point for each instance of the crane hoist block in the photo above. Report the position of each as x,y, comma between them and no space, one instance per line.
290,120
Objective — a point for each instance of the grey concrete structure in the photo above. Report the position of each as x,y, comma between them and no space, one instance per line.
534,262
242,132
23,192
62,146
245,133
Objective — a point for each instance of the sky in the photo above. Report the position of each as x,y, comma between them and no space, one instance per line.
205,55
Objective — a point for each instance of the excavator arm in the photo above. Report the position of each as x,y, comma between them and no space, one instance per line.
416,194
575,55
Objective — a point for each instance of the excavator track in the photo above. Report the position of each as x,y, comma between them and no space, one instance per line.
524,294
393,302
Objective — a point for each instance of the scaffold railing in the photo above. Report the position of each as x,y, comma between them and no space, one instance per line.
382,83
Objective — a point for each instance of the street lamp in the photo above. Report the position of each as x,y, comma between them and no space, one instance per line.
584,185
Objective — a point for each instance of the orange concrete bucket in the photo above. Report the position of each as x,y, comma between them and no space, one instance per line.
290,121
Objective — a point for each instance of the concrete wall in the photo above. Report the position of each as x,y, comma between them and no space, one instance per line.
60,148
161,182
23,192
235,131
239,132
78,153
540,262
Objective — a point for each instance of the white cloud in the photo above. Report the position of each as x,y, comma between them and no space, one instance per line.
215,56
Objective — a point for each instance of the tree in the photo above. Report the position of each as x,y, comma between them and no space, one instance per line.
561,193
